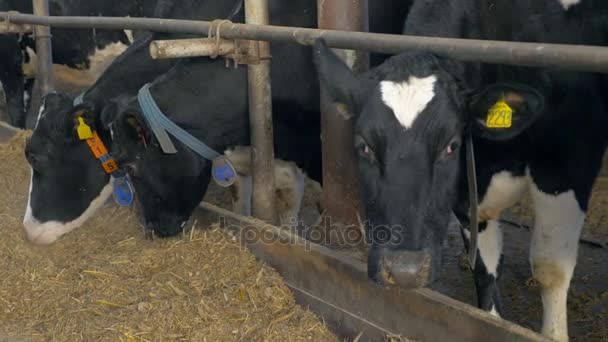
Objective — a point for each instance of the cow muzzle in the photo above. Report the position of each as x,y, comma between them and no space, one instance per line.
406,269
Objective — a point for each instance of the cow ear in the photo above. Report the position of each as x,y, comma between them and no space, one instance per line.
135,129
502,111
82,115
340,82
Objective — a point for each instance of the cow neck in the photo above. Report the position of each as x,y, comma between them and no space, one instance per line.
162,126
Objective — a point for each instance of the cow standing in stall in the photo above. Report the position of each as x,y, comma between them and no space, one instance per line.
68,184
536,129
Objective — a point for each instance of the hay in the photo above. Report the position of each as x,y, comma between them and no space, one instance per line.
107,282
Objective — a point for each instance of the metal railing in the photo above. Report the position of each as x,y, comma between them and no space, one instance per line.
573,57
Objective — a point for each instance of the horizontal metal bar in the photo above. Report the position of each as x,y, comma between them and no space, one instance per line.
572,57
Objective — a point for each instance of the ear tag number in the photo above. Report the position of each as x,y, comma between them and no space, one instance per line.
223,172
123,190
83,130
500,115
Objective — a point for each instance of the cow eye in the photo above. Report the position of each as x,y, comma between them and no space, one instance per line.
452,147
364,150
35,160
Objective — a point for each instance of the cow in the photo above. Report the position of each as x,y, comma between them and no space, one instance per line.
533,129
216,112
66,186
77,49
49,216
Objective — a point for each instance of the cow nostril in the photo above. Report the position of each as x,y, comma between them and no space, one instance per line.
408,269
30,157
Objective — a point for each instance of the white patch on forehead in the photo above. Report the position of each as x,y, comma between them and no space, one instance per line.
45,233
409,98
568,3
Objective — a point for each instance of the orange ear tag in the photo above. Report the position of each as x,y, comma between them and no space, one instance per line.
97,146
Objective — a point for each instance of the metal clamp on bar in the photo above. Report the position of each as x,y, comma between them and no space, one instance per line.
239,51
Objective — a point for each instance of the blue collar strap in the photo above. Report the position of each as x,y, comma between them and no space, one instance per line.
161,125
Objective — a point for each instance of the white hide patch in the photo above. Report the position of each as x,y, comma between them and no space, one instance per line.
503,192
40,111
489,244
567,3
494,312
409,98
129,34
46,233
290,182
102,58
350,58
99,59
553,253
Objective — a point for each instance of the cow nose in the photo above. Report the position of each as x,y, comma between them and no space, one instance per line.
407,269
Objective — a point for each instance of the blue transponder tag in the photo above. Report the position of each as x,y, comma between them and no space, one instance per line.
123,190
223,172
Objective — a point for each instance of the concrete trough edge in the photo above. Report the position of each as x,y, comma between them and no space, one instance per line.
335,286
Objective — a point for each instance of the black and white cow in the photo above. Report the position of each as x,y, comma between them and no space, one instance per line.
216,112
68,184
414,111
74,199
74,48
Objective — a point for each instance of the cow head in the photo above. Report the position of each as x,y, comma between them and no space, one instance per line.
68,183
411,117
169,186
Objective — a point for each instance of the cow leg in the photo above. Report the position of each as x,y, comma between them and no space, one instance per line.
290,182
504,189
553,253
488,265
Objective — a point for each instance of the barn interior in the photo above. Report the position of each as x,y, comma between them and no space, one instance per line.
109,281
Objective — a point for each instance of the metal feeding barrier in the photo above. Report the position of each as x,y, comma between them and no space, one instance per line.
333,285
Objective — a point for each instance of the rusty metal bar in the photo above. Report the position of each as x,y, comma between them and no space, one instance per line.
564,56
45,82
260,118
198,47
341,198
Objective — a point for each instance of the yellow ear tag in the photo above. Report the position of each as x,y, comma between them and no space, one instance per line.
500,115
84,131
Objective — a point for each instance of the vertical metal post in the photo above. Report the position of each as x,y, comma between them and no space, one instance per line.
340,172
45,82
260,118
